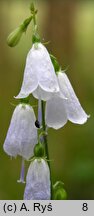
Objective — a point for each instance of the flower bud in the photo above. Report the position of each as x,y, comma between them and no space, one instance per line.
32,9
59,192
14,38
39,150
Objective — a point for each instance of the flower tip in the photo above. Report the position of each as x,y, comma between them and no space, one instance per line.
82,120
56,126
85,119
88,116
20,96
17,97
21,181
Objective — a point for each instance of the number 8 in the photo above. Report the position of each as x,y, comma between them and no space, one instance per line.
85,207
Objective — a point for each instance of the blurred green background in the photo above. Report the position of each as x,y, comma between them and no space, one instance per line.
69,25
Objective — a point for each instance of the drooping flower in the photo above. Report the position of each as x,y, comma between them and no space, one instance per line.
60,109
38,181
22,133
39,75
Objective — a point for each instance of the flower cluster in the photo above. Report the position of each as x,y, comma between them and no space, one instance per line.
26,135
62,105
41,80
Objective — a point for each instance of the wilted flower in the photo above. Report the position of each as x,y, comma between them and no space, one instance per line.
22,134
38,181
60,109
39,76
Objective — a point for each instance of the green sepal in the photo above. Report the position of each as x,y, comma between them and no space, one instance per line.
55,63
35,38
39,150
25,100
59,193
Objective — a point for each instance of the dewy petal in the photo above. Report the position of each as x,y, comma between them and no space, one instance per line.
46,74
39,71
22,134
38,181
30,80
40,93
75,112
55,114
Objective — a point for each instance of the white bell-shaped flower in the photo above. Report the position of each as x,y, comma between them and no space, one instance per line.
22,133
60,109
38,181
39,75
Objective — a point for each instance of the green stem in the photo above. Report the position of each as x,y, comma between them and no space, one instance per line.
34,19
44,130
45,140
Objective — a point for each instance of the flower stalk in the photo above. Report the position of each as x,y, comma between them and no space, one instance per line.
44,130
57,103
22,174
45,141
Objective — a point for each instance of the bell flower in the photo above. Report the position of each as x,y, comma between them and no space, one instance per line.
39,75
38,181
22,133
59,109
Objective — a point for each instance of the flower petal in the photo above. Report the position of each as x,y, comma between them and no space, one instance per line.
38,181
22,134
46,73
38,71
75,112
55,114
30,80
43,95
